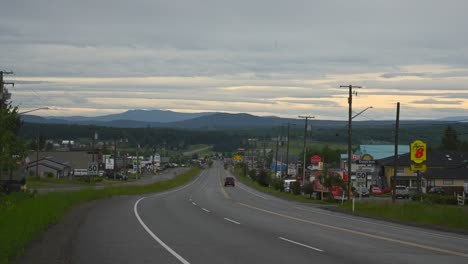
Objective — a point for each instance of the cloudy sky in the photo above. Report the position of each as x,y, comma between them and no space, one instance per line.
263,57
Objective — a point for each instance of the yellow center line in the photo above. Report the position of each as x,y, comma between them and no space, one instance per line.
441,250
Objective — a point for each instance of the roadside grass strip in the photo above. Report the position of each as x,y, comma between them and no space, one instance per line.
24,217
249,182
424,214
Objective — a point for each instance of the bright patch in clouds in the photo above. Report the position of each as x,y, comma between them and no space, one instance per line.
264,57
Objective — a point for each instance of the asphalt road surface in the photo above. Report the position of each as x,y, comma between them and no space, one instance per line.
205,222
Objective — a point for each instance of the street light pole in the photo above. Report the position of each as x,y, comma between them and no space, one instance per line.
350,103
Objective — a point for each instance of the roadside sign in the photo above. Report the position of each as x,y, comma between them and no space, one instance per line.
361,176
93,168
418,151
418,167
109,164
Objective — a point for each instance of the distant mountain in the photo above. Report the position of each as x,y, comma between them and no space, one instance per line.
455,118
158,116
169,119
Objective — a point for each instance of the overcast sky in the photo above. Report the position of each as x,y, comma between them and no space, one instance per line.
268,57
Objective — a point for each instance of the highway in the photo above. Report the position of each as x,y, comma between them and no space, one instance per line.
204,222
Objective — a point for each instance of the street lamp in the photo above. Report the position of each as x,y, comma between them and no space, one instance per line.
361,112
32,110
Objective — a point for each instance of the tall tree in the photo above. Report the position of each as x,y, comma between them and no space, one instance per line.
12,148
450,140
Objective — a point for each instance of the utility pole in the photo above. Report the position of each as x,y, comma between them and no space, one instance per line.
37,156
395,162
287,151
138,161
304,148
276,157
350,103
115,157
4,95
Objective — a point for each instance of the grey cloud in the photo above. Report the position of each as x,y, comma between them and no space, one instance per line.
433,101
399,74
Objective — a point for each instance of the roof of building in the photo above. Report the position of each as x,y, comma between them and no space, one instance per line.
434,159
379,151
447,173
75,159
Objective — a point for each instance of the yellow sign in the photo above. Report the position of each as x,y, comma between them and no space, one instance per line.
418,167
237,157
418,151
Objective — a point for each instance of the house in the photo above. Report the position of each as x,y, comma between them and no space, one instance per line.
49,166
445,168
371,172
74,159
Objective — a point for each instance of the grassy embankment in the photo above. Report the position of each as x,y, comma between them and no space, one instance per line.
247,181
23,217
416,213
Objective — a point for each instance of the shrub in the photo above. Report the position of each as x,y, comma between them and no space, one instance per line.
263,178
295,187
277,184
50,175
308,188
436,199
253,174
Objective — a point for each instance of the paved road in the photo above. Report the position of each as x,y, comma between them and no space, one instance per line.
203,222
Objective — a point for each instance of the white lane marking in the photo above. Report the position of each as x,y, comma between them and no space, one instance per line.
300,244
232,221
380,224
206,210
258,195
179,257
194,203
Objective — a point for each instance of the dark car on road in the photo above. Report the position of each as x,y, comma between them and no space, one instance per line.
361,191
118,176
229,181
437,190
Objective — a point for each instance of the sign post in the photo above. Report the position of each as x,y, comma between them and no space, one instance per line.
92,168
418,150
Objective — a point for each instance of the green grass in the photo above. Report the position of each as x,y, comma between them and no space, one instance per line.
425,214
46,180
247,181
23,217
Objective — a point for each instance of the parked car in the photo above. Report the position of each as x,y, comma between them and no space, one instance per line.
401,191
436,190
387,190
375,190
229,181
412,191
361,191
118,176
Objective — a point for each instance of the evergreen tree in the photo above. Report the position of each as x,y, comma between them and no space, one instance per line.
450,140
12,148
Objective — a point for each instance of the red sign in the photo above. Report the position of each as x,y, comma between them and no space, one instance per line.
345,176
315,159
